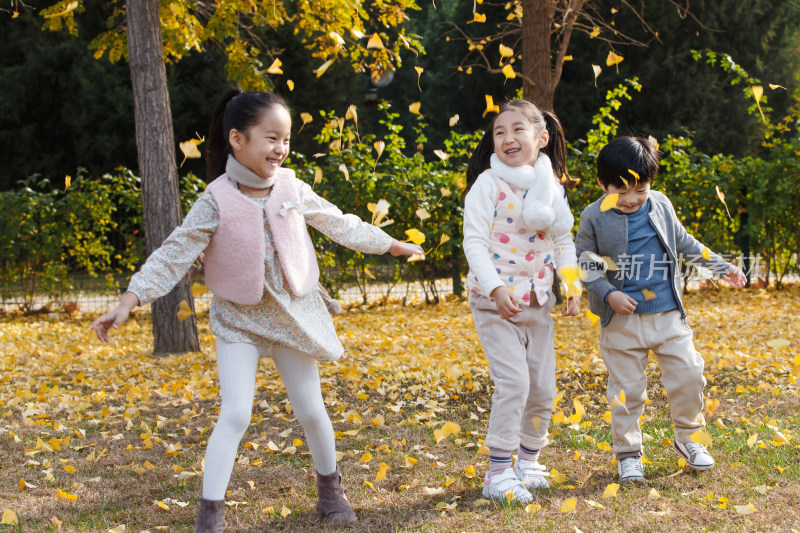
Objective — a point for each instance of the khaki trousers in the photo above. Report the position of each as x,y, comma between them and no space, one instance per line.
624,345
522,364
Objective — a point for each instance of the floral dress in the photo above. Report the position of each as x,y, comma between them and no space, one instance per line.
280,318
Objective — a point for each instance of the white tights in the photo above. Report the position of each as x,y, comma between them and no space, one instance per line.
237,364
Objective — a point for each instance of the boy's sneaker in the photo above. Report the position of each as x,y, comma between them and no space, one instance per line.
630,470
532,474
497,487
695,454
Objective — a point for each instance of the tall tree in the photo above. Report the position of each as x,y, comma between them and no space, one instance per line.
155,33
537,34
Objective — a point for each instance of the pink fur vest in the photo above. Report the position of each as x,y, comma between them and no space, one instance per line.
234,258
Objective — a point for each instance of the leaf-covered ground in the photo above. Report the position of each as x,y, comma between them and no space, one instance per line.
106,438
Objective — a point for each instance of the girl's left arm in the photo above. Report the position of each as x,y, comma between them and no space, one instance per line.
345,229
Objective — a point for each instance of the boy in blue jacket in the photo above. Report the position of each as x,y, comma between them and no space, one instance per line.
639,303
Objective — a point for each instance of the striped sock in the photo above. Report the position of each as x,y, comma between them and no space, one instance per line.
527,453
499,460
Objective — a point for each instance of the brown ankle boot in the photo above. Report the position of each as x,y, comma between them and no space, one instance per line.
210,517
332,504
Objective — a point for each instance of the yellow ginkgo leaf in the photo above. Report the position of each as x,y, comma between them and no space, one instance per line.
441,155
375,42
508,72
648,295
653,142
613,59
597,70
414,108
606,447
557,477
161,505
533,508
711,406
779,439
383,469
319,71
595,32
506,51
365,457
568,505
9,518
774,86
189,149
453,120
634,174
184,312
317,175
478,17
611,490
490,105
777,344
706,253
68,181
351,114
422,213
285,511
536,421
745,509
721,197
275,67
469,472
653,494
290,85
409,462
609,202
781,469
415,236
198,289
379,146
60,494
344,171
619,401
419,76
579,410
118,529
701,437
69,469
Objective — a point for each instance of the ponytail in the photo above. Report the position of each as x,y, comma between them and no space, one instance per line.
556,149
235,110
480,159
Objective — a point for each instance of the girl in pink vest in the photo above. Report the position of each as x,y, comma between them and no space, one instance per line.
260,265
517,232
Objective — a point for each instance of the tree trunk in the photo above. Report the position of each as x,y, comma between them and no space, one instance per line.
536,52
157,166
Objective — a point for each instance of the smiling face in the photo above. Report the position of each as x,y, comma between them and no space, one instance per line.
516,140
264,146
630,199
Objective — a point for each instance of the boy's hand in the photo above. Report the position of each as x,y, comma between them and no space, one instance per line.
573,307
736,278
507,305
621,303
405,248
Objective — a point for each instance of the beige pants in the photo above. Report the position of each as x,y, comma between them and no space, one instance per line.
522,364
624,345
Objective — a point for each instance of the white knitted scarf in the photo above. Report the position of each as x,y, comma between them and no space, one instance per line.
238,173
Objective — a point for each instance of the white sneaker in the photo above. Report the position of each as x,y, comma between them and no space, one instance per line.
695,454
532,474
505,487
630,470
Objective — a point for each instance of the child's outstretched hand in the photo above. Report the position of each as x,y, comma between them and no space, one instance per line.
405,248
736,278
573,306
621,303
114,318
507,305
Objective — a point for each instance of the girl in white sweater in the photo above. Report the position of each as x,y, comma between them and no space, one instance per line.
517,232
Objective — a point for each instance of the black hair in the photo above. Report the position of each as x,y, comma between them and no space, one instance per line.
237,110
621,158
556,148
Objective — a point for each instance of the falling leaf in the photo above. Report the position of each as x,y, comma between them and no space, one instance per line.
319,71
441,155
317,175
478,17
758,93
189,149
508,72
454,120
613,59
419,76
275,67
490,105
609,202
352,113
653,142
634,174
422,213
379,211
375,42
414,108
701,437
290,84
343,170
597,70
745,509
706,254
198,289
611,490
648,295
568,505
774,86
506,51
184,312
721,197
68,181
595,32
619,401
415,236
379,146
